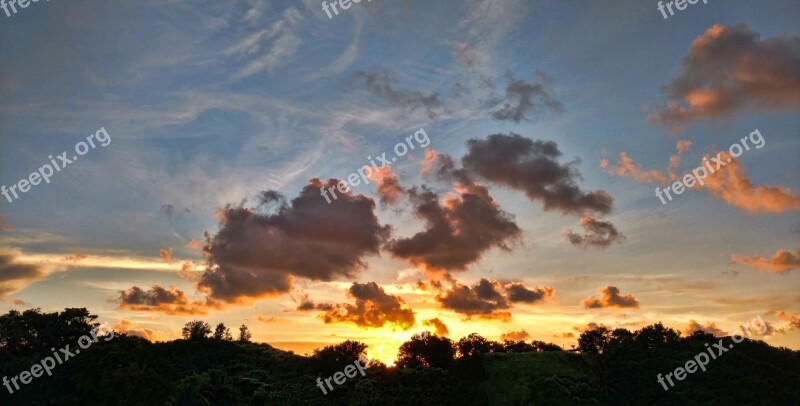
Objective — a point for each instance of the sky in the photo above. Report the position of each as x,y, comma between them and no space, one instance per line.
526,208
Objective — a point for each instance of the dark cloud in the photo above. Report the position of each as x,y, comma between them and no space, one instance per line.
373,308
380,82
489,299
160,299
259,254
13,273
600,234
168,209
517,292
524,99
438,325
533,167
730,68
458,230
610,297
307,305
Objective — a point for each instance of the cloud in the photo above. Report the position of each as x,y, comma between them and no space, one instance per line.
76,257
438,325
265,319
166,254
628,167
458,230
159,299
520,335
792,318
709,328
489,299
533,168
728,69
284,45
257,254
782,262
564,335
590,326
731,184
380,83
127,327
307,305
599,234
168,209
524,99
373,308
389,189
13,274
5,226
610,297
517,293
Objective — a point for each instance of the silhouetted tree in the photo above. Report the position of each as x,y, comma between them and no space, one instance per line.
196,330
345,352
222,333
594,341
656,335
33,330
543,346
244,334
427,350
517,346
473,345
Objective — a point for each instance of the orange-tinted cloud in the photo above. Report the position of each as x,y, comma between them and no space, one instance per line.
266,319
783,261
610,297
195,244
438,325
792,318
127,327
389,189
464,53
731,184
159,299
599,234
166,254
373,308
627,167
709,328
520,335
76,257
730,68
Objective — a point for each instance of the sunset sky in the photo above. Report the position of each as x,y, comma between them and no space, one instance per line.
550,124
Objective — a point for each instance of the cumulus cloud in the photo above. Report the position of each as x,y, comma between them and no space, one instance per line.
490,299
610,297
599,234
166,254
439,327
709,328
524,99
373,308
381,83
731,184
627,167
782,262
520,335
728,69
14,274
258,254
169,300
458,229
533,168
